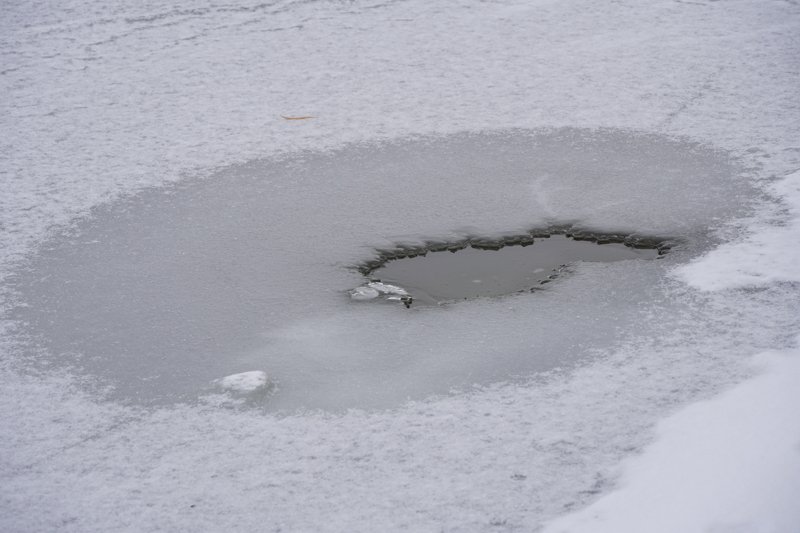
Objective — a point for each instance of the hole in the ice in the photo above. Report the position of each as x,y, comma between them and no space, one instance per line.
445,272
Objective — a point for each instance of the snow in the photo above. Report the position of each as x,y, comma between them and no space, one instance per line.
143,151
729,464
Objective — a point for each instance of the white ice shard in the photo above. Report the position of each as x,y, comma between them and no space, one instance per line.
373,289
244,382
385,288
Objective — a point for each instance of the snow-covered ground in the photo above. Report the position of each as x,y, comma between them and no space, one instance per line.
675,408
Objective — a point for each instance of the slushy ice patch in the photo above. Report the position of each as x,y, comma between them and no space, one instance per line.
473,268
162,295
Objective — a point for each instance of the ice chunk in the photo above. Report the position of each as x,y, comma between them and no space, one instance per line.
385,288
364,293
374,289
244,382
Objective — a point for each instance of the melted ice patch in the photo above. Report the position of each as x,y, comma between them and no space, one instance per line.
165,292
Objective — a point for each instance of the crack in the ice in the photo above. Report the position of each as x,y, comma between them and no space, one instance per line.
686,103
95,435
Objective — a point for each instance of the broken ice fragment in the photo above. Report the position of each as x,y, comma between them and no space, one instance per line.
373,289
407,300
364,293
385,288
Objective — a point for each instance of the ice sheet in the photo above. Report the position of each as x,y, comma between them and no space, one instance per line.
105,99
250,269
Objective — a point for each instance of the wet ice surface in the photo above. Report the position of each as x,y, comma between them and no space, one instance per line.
102,100
446,276
164,294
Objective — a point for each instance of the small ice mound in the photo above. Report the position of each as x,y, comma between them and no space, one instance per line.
244,382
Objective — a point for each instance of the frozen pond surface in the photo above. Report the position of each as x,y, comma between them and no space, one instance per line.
174,238
163,294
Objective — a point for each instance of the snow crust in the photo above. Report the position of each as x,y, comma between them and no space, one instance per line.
102,100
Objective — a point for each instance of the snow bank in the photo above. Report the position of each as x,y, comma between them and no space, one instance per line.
727,465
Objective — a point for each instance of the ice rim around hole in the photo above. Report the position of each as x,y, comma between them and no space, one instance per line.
375,286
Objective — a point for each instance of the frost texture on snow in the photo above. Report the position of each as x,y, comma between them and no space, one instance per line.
101,100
